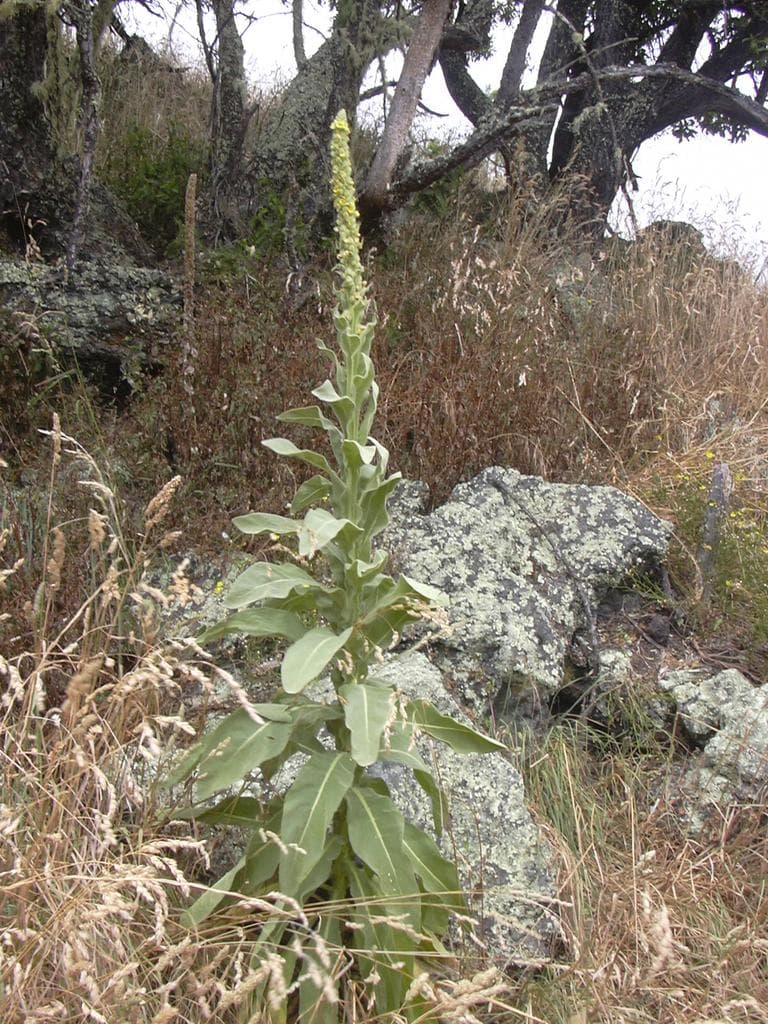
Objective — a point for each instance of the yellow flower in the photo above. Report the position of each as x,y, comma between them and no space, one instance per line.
347,218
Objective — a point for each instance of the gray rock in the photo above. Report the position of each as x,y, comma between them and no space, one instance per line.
726,716
112,317
524,562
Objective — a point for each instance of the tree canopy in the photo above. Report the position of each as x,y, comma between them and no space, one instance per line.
584,83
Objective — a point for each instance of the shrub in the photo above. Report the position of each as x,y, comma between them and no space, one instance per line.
151,178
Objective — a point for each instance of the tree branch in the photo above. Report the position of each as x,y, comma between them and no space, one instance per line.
418,61
514,68
462,88
489,136
297,16
498,128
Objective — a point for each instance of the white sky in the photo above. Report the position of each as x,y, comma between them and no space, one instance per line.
720,187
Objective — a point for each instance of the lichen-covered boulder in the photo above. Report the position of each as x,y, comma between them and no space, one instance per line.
111,317
725,716
524,563
506,868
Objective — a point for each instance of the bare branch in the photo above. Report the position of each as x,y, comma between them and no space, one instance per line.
514,68
297,13
418,61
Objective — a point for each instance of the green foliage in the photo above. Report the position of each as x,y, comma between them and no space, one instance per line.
150,176
738,596
341,835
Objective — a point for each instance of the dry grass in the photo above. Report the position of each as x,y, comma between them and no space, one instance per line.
662,928
495,345
95,868
90,880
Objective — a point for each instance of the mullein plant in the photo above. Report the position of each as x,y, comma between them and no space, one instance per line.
334,844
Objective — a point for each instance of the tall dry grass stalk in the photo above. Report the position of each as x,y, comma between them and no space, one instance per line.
91,880
509,344
188,349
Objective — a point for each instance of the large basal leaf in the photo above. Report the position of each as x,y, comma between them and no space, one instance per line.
308,811
437,874
267,580
375,827
234,748
306,658
264,522
437,798
318,997
367,711
384,951
401,747
311,492
238,811
459,737
281,446
257,866
256,622
321,871
212,898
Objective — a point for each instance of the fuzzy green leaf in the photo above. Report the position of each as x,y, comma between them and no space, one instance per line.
308,811
264,522
257,865
437,798
235,747
431,595
238,811
374,504
459,737
319,529
383,950
367,710
438,875
206,903
322,868
401,748
341,404
309,416
267,580
314,1005
375,828
311,492
281,446
357,455
306,658
256,622
365,572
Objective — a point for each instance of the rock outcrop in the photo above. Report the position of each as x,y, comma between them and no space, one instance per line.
525,564
725,717
110,318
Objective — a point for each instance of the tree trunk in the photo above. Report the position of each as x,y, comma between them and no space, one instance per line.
291,156
416,67
229,121
28,213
